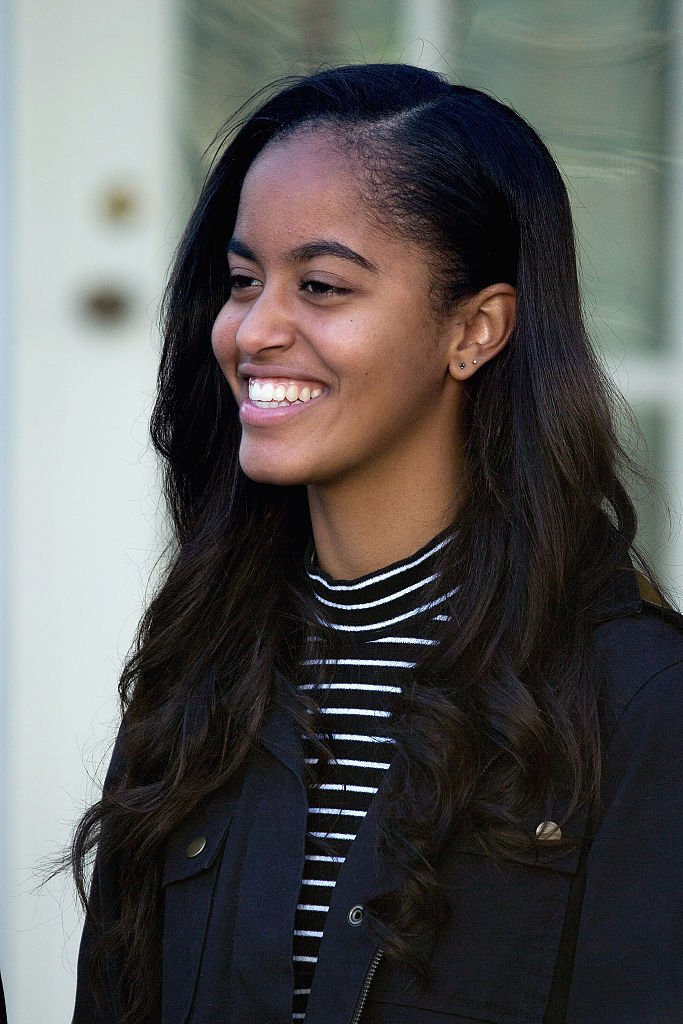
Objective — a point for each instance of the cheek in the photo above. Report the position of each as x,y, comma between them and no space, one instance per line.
223,340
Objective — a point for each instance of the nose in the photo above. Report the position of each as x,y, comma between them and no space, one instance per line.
267,324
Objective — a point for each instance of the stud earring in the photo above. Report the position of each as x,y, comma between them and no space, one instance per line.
462,366
474,362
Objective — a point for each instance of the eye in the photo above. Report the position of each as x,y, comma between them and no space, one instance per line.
322,288
242,282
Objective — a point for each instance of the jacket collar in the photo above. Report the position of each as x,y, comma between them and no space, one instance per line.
279,732
620,594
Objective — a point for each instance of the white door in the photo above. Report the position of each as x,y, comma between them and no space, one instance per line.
86,171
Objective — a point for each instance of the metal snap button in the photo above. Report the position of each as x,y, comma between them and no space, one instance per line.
549,830
356,915
196,846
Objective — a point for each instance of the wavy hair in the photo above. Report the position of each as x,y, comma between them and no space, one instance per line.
505,711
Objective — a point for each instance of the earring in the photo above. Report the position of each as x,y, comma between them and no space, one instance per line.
474,362
462,366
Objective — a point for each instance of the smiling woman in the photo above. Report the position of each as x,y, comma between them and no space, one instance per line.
339,309
399,732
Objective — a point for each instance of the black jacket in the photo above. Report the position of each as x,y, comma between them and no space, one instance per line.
594,937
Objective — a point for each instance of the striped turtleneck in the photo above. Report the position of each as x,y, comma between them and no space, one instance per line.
378,627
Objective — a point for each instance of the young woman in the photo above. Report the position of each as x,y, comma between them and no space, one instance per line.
401,739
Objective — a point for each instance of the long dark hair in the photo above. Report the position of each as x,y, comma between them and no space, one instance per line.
505,712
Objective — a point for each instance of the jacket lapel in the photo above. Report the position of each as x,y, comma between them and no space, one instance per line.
261,978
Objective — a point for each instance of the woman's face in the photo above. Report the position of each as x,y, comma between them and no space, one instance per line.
328,340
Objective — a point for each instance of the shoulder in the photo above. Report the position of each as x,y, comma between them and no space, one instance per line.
627,965
116,770
641,662
640,655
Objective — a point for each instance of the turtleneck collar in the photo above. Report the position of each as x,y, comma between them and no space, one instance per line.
381,601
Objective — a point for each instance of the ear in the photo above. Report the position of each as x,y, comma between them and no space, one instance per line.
481,328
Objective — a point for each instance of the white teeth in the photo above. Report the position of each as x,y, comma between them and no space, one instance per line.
269,395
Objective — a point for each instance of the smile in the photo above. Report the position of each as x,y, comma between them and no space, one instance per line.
269,394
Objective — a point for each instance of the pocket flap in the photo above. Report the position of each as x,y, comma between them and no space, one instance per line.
548,852
196,842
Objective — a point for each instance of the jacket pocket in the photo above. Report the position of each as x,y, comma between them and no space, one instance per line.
494,958
191,863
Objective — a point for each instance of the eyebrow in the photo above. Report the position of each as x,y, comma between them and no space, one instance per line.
309,251
238,247
330,247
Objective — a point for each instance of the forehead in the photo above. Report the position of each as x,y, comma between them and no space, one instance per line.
303,186
307,147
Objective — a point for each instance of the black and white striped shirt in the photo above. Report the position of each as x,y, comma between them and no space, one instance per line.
380,623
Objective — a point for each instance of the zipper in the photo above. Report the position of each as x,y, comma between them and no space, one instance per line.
362,999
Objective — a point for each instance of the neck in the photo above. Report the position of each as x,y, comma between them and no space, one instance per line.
361,526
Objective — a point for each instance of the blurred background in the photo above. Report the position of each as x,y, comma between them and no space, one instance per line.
106,110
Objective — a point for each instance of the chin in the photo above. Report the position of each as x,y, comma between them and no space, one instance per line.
267,471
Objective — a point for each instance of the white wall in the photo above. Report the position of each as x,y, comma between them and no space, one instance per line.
90,111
